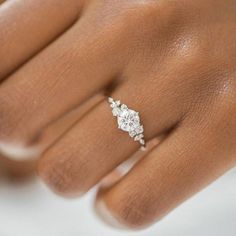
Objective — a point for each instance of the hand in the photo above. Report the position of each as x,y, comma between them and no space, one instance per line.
173,61
26,29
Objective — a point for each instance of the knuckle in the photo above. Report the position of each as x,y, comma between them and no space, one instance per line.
152,7
132,11
144,12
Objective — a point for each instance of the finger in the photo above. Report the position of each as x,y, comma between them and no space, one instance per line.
70,167
21,167
49,135
55,130
28,26
71,70
187,161
125,167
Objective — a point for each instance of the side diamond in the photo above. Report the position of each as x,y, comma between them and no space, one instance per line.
142,141
116,111
124,107
139,129
138,137
132,133
110,100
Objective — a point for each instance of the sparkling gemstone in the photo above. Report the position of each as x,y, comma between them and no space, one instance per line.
124,107
139,129
128,120
142,141
138,137
117,103
113,105
110,100
116,111
132,133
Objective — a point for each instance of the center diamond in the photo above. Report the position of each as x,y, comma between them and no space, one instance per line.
128,120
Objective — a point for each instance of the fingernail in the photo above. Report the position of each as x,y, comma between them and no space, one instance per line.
18,152
106,216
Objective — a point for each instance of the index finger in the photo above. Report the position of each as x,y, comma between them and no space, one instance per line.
26,27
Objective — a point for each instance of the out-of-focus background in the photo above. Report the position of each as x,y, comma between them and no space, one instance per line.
29,209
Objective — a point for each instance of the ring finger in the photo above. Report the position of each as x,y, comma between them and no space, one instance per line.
95,146
57,70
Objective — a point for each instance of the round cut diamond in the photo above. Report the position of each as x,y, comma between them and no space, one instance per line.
128,120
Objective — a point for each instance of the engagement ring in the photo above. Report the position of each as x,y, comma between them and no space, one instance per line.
128,120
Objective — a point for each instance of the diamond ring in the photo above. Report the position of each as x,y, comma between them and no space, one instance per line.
128,120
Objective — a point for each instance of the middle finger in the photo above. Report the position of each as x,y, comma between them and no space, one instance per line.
72,69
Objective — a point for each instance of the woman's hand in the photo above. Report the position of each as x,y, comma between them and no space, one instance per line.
173,61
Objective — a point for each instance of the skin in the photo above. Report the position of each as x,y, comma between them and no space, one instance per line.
173,61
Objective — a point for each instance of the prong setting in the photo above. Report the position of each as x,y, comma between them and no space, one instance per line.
128,120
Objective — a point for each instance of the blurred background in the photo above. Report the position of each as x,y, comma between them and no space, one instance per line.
28,208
